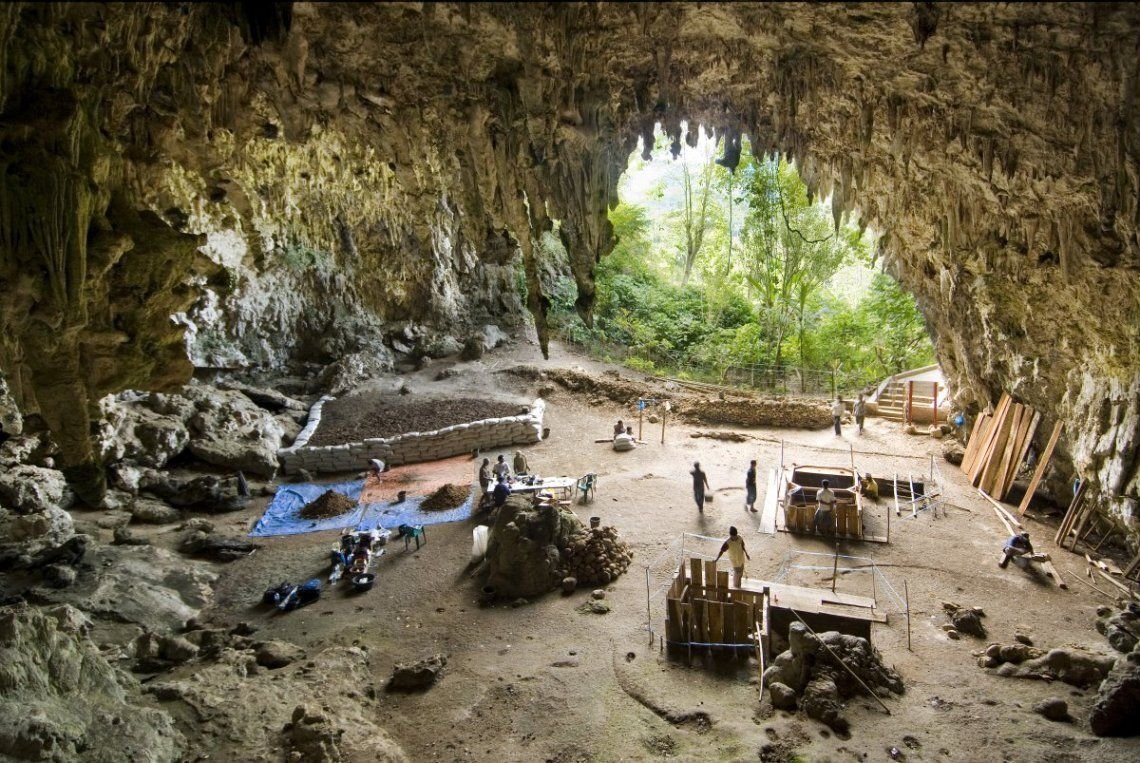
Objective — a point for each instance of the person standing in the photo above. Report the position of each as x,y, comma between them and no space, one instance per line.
485,476
521,466
700,483
837,414
860,411
737,553
501,469
825,511
619,428
750,487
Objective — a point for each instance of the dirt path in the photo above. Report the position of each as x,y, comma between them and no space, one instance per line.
542,682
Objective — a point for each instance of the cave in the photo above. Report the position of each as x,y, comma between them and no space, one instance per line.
250,186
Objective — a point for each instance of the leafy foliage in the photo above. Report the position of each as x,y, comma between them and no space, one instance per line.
765,293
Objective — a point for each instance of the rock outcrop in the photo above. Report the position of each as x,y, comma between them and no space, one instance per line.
61,700
296,180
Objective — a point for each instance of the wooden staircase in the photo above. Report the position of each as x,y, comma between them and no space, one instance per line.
890,403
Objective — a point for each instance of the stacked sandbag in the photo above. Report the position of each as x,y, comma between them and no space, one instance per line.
597,556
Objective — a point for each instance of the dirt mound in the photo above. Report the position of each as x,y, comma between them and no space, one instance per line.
446,497
359,417
328,504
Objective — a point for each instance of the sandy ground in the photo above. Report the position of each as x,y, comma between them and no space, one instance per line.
543,682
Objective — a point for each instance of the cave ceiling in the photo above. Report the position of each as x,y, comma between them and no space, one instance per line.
388,162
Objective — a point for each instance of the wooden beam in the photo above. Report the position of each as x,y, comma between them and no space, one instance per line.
986,471
1070,515
994,475
1026,441
987,451
981,426
1041,464
1000,514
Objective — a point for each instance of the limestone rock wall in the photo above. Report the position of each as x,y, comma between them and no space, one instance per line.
289,177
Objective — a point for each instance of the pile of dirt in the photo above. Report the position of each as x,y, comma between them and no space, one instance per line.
597,557
328,504
371,415
789,412
447,497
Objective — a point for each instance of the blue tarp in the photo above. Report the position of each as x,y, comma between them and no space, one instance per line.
282,516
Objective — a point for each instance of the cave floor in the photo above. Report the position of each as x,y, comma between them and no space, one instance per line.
542,681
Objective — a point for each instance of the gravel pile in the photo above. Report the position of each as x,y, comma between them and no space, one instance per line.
597,557
328,504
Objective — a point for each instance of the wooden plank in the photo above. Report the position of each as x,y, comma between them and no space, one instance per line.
1121,586
1026,441
992,484
710,574
1052,572
1089,513
673,622
697,573
985,453
728,615
981,426
1070,515
703,618
988,473
722,580
716,622
742,613
1041,464
1132,567
1009,528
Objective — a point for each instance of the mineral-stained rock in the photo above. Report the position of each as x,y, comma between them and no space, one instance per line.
418,675
1114,713
820,700
61,700
1120,628
351,371
1069,665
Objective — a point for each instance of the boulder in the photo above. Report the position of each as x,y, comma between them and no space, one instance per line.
206,493
1120,628
277,654
11,420
263,397
442,346
821,701
217,547
1072,666
783,698
150,511
59,575
176,649
1114,712
27,489
1053,708
472,348
418,675
493,336
130,428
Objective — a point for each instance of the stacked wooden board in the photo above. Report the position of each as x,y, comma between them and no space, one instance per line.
702,610
998,446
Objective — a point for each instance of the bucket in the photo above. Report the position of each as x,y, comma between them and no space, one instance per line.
400,496
364,581
595,522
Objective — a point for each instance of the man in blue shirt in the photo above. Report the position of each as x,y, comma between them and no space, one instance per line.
1018,545
501,491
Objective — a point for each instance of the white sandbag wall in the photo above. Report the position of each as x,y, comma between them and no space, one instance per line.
410,447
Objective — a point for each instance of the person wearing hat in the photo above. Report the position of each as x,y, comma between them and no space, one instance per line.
825,510
521,466
1018,545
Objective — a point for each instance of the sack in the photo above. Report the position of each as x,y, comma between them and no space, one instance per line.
479,538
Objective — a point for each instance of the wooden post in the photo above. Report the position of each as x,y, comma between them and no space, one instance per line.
906,593
640,416
648,609
935,404
664,415
909,399
1040,471
835,566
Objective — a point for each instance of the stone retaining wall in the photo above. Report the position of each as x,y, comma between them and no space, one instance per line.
410,447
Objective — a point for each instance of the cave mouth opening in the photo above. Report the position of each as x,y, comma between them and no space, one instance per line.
727,268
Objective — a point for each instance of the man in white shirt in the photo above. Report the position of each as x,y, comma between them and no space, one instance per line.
825,512
837,411
501,468
737,553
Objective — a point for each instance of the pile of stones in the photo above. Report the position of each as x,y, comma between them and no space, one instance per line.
810,674
597,556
